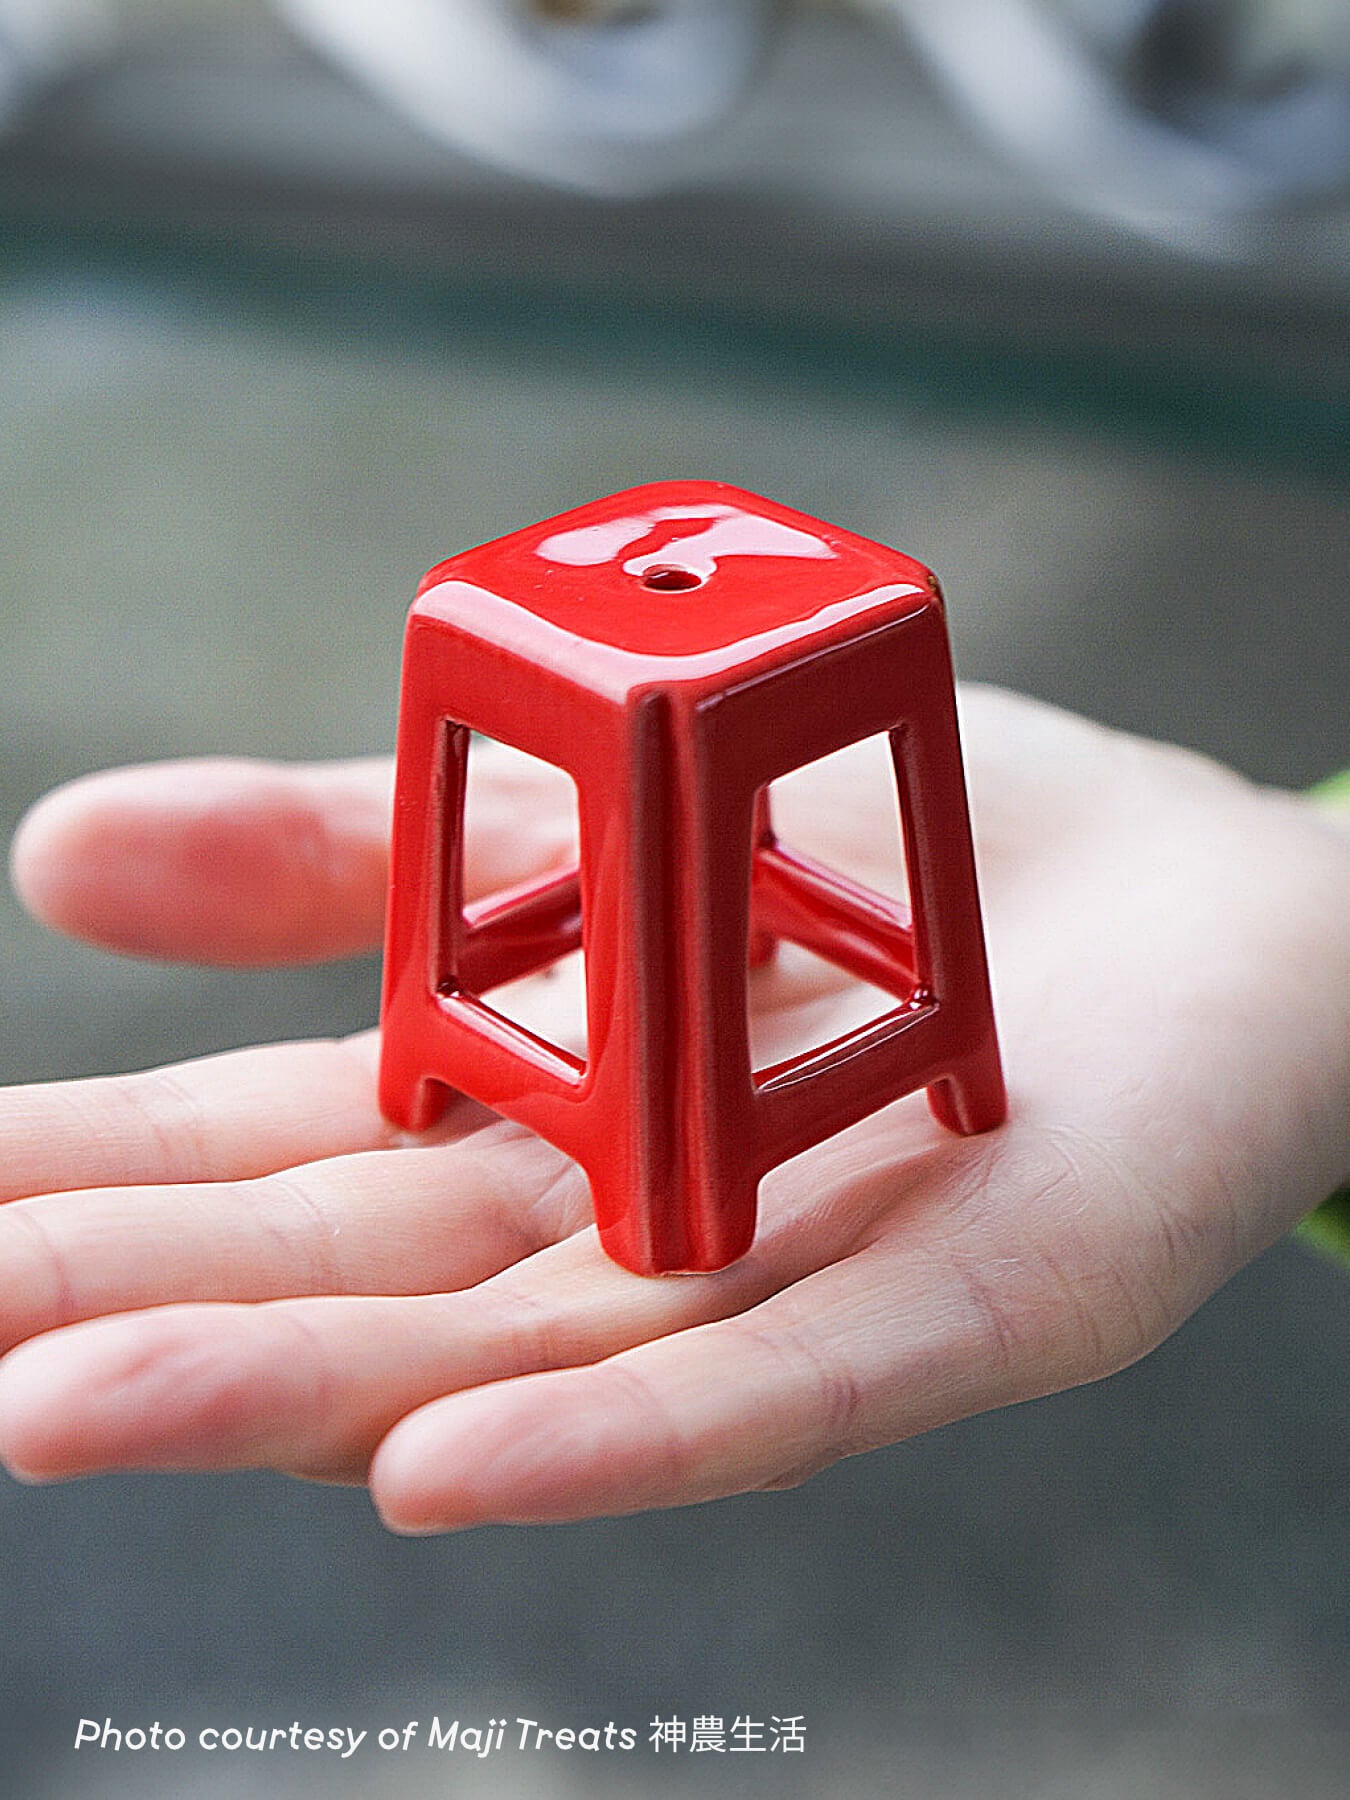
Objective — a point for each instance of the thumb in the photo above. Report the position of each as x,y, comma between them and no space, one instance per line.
231,861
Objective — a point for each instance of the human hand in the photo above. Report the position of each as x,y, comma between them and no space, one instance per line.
295,1287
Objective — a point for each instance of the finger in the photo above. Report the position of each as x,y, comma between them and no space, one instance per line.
212,860
407,1221
225,1117
865,1352
239,862
249,863
311,1385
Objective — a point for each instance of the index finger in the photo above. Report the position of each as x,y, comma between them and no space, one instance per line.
246,863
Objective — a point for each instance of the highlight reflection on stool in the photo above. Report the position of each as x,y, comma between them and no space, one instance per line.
675,649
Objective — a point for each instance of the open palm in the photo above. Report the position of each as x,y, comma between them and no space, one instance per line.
295,1286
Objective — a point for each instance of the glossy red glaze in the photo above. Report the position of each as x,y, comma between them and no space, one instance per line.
675,649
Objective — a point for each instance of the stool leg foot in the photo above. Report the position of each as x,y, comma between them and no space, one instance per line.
413,1104
972,1098
661,1238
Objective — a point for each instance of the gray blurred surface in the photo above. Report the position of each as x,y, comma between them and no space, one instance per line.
211,517
847,186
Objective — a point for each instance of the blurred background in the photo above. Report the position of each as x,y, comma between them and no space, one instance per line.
295,301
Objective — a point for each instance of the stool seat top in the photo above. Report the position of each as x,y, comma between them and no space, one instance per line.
675,580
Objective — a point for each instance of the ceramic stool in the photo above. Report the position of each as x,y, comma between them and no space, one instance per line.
675,649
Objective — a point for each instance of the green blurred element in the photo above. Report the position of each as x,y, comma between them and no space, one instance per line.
1328,1229
1334,791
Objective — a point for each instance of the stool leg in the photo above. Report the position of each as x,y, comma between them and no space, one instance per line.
424,925
973,1097
666,879
948,931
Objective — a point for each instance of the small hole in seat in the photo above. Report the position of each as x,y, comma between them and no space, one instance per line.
666,578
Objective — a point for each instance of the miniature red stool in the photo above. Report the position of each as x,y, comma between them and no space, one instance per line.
675,649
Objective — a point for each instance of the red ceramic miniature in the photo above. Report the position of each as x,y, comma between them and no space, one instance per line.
675,649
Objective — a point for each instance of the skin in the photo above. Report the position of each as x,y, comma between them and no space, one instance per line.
235,1262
